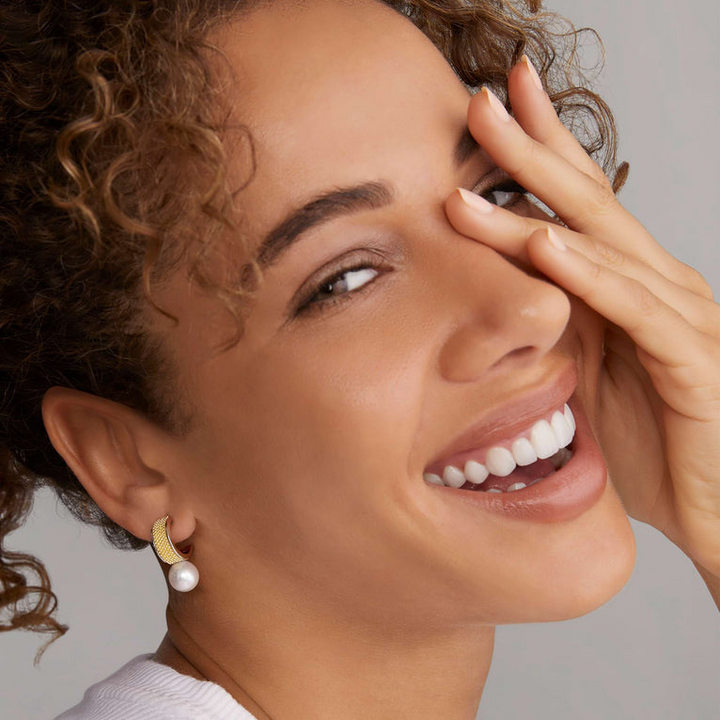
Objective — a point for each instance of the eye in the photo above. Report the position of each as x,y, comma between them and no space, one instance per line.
344,282
505,193
338,286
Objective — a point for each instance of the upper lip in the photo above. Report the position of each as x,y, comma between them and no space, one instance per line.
512,418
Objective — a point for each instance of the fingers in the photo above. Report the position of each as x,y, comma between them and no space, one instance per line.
581,201
510,234
536,115
583,204
660,330
544,157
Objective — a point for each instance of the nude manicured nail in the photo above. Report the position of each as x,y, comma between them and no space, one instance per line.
496,105
533,73
477,203
555,241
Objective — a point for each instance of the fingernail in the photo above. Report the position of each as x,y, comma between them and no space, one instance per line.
533,73
555,241
496,105
476,202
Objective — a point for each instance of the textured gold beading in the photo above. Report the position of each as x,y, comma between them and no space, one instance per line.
162,543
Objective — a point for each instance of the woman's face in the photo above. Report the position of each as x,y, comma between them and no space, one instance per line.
306,470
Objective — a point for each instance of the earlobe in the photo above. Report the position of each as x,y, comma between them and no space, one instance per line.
107,446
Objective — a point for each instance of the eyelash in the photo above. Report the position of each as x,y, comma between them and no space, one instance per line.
311,306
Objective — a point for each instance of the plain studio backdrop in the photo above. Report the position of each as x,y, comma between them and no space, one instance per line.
653,651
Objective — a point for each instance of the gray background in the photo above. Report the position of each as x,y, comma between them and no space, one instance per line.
651,652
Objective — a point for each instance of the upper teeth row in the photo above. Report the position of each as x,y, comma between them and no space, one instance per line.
545,439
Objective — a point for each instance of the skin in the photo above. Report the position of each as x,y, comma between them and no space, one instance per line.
325,560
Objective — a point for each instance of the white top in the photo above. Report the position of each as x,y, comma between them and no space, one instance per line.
143,689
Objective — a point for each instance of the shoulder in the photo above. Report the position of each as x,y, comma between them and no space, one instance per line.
143,688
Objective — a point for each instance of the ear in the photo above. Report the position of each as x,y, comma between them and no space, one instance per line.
119,457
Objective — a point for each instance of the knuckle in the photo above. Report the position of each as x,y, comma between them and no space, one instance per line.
596,173
528,225
599,204
607,254
643,299
526,158
694,281
602,198
595,271
601,178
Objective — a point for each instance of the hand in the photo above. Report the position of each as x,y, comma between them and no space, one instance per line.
659,387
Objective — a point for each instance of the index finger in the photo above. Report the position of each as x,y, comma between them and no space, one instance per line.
581,202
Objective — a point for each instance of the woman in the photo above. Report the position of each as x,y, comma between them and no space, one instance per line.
372,411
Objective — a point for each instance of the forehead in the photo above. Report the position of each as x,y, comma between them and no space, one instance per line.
337,93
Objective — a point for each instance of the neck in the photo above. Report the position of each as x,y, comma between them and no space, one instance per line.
311,667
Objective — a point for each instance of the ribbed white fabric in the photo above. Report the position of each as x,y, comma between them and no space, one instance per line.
143,689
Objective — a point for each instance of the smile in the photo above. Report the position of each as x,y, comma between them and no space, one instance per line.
514,464
547,467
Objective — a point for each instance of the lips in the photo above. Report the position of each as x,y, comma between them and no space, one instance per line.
564,494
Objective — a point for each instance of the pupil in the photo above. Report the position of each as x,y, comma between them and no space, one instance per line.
329,287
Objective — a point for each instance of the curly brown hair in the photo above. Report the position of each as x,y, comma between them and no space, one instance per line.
101,104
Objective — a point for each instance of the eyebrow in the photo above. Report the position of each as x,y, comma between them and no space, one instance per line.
342,201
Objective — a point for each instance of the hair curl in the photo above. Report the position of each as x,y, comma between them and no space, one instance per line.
101,104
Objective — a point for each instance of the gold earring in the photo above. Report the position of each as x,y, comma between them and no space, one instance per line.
183,575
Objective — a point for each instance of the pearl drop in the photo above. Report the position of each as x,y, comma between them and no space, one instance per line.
183,576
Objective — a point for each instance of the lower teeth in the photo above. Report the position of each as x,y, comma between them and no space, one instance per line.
516,486
513,487
559,460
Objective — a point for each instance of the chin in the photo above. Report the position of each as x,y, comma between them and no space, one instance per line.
590,567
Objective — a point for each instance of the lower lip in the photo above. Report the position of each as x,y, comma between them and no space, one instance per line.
564,495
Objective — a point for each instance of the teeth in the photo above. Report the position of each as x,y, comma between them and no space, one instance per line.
476,472
569,417
523,452
546,439
433,479
561,428
516,486
500,461
453,476
494,490
543,439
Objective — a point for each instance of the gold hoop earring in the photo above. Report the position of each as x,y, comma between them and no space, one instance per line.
183,575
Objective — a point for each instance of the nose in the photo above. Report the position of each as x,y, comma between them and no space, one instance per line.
503,315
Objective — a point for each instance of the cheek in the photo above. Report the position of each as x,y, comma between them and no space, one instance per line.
318,431
309,458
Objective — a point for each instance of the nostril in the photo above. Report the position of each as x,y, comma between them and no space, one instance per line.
520,353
